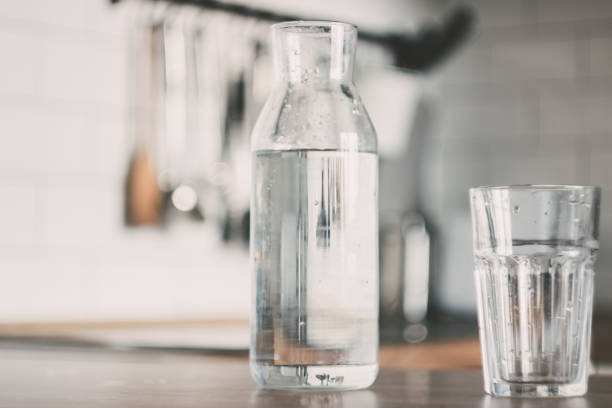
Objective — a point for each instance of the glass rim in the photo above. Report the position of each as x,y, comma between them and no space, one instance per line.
536,187
307,26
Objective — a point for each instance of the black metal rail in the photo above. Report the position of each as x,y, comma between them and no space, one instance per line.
420,51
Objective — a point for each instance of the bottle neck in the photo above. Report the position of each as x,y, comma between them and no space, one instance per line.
314,52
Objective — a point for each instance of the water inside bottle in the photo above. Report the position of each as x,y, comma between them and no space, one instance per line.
315,263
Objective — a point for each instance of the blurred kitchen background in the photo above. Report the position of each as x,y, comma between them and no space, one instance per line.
124,173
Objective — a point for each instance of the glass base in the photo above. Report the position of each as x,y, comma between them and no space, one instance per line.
505,389
314,377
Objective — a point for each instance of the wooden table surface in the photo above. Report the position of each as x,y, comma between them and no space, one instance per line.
36,376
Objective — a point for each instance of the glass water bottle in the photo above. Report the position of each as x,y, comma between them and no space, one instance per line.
314,218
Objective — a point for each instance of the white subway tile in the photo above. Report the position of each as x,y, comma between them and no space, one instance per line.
62,12
601,175
110,20
498,13
571,10
65,143
22,217
576,116
470,65
603,266
182,281
519,61
603,278
600,56
94,16
489,121
19,64
530,168
110,147
596,142
458,174
582,165
175,288
455,289
533,59
82,213
43,291
21,139
78,72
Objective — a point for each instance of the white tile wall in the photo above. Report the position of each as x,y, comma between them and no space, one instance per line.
20,143
528,100
500,13
470,66
575,116
600,171
533,59
20,63
532,91
21,220
569,10
64,252
77,72
600,56
491,121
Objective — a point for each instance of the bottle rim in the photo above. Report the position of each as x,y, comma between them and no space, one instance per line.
314,27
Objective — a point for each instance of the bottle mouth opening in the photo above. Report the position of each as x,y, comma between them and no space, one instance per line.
316,28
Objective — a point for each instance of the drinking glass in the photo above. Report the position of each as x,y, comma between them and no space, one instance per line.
534,250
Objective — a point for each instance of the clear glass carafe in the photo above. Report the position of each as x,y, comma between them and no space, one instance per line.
314,218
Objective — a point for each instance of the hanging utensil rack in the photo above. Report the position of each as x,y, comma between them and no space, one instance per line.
419,51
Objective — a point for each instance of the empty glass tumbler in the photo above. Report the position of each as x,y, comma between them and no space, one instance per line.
534,250
314,218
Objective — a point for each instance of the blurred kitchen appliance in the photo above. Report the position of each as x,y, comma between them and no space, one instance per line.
201,71
404,267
